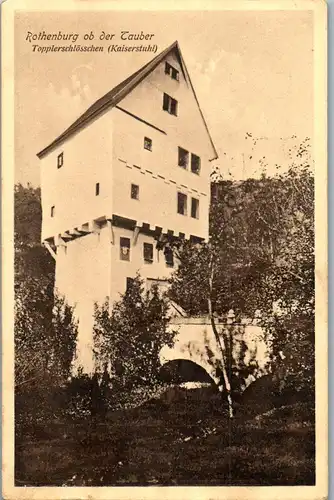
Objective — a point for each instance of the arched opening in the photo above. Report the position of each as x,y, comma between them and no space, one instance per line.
190,390
179,371
260,396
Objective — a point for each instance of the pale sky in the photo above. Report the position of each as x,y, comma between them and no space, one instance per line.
252,72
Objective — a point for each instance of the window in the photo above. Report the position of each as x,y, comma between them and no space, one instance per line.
97,189
148,252
183,158
124,248
129,284
165,104
147,143
134,192
194,208
170,105
181,203
52,211
195,163
173,107
60,160
172,72
169,256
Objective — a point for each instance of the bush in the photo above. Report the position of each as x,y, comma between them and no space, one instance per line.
128,340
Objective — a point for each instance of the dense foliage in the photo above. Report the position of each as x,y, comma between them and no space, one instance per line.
261,251
129,338
45,331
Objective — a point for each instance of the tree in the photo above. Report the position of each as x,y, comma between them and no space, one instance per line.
45,331
291,284
129,338
260,253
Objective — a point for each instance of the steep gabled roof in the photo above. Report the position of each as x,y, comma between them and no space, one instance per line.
114,96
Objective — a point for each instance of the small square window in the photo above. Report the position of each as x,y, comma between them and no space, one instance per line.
97,189
169,104
125,249
60,160
181,203
53,211
194,208
169,256
147,143
183,158
148,252
134,191
195,163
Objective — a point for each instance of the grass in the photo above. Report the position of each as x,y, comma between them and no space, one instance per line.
187,441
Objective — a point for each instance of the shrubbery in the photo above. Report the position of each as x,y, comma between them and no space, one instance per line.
129,338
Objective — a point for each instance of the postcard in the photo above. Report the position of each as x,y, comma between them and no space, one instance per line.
164,249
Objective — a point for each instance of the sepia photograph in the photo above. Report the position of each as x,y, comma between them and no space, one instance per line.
168,242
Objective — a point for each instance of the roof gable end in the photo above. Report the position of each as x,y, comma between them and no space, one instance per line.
114,96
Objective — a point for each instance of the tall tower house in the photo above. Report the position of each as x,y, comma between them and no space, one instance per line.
133,169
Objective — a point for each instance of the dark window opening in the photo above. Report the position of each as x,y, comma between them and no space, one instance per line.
124,248
165,104
171,71
148,143
129,284
195,163
169,256
194,208
53,211
183,158
148,252
169,104
173,107
60,160
175,74
134,191
97,189
181,203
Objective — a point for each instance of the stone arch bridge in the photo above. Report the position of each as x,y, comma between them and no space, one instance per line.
197,350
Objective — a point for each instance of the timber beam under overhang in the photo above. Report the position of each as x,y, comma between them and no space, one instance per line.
51,250
94,226
140,226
